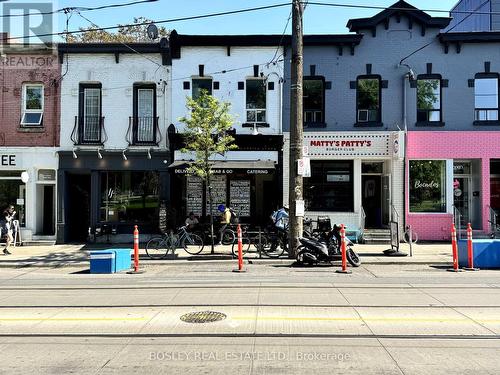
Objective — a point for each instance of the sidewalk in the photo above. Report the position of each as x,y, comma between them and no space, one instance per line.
78,255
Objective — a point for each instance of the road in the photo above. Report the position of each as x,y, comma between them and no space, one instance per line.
274,319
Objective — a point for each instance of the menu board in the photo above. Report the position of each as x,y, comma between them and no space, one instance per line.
218,193
240,196
194,195
162,217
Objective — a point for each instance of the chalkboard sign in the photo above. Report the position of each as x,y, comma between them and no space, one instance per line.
240,197
163,217
394,235
194,195
218,193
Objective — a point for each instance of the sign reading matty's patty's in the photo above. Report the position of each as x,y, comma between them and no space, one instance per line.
342,144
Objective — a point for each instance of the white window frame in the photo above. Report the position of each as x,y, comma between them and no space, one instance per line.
255,110
24,102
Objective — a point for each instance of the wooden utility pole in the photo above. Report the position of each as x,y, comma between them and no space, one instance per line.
296,128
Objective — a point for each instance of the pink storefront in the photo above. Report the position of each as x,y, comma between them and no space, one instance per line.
451,175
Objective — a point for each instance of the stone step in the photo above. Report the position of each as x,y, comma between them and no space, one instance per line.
39,243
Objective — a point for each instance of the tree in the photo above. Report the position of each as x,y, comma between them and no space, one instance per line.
137,32
206,135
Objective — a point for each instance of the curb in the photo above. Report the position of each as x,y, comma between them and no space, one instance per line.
185,262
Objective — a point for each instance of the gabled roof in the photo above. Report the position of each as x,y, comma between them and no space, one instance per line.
398,9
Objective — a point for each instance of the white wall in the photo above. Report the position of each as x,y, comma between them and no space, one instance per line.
117,94
215,59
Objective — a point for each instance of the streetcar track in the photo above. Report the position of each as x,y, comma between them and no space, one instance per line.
199,305
251,335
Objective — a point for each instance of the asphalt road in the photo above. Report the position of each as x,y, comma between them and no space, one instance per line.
274,319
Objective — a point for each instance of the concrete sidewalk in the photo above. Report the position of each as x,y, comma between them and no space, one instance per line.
78,255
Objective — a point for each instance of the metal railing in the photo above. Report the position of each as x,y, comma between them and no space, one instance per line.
457,219
493,221
143,131
89,130
362,221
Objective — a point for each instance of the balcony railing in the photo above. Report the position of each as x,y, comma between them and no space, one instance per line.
143,131
89,130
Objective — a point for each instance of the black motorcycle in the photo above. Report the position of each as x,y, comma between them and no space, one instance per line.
324,246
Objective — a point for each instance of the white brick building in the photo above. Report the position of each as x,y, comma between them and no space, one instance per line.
246,71
113,157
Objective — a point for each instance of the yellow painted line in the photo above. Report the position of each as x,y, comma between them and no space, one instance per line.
338,319
70,319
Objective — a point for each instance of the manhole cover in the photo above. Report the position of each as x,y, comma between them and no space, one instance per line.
203,317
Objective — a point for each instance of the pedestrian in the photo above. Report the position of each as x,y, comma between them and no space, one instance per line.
280,218
225,219
191,221
7,227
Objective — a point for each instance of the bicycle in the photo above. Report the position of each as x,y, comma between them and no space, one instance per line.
158,247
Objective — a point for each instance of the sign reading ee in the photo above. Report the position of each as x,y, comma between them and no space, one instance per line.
8,160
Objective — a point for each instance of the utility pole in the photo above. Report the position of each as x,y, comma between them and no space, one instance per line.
296,128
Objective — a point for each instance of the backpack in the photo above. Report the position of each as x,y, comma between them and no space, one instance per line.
234,217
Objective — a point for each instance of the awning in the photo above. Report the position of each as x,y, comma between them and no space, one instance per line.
228,167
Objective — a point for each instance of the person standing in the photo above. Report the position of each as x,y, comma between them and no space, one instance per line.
7,226
192,221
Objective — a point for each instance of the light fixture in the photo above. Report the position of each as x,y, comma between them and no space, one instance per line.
149,153
255,130
75,156
25,177
99,155
123,155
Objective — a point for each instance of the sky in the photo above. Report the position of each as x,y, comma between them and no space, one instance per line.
317,19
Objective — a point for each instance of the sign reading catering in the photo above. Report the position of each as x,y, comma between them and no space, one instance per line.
342,144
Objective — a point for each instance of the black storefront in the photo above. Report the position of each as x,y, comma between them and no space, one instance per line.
103,194
252,188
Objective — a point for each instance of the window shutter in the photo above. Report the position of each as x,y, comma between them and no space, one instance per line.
241,85
328,85
470,82
270,86
216,85
353,85
186,85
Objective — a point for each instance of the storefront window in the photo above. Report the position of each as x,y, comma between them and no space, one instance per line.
427,186
129,197
13,192
330,187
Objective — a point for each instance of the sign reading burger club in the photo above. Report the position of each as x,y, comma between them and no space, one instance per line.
355,144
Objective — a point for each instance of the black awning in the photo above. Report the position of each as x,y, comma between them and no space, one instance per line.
228,167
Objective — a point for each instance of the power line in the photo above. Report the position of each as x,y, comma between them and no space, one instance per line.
359,6
81,9
246,10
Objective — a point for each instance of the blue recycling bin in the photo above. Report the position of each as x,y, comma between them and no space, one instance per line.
486,253
123,260
102,261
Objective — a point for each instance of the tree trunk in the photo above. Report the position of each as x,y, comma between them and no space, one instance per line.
209,186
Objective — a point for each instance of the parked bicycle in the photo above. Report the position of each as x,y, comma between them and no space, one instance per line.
158,247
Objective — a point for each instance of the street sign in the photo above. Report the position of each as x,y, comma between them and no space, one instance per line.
307,167
299,208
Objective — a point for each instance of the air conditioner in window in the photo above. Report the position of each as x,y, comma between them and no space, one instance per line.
362,115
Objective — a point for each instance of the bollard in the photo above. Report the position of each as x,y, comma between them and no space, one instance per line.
344,251
240,251
454,249
470,250
136,252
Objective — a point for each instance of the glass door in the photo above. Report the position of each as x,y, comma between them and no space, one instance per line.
145,116
461,198
92,115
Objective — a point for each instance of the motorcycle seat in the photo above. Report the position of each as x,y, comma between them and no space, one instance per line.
314,244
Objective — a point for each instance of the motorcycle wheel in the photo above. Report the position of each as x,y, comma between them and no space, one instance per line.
302,260
353,258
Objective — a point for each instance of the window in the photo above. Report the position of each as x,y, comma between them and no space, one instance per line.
368,99
13,191
130,197
90,113
201,84
429,100
314,100
330,187
144,130
256,100
427,186
486,99
32,105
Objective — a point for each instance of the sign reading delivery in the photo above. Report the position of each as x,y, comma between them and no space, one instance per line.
355,144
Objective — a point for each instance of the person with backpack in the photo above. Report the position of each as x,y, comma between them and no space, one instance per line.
228,217
6,223
280,218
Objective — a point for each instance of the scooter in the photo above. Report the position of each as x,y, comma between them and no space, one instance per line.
325,247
